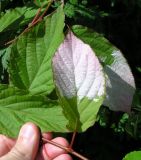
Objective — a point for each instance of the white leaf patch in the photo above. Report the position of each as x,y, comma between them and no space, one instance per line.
120,85
77,71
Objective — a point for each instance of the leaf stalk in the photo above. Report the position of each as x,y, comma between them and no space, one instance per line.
67,149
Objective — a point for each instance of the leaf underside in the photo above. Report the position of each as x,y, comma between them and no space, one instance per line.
80,82
120,84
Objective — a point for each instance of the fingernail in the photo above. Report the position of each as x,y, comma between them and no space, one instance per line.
27,133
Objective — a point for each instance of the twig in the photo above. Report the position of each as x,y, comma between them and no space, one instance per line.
49,4
36,16
9,42
34,21
69,150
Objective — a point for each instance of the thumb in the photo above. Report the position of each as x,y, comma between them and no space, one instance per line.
27,144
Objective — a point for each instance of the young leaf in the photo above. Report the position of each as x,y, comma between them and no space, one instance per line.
80,82
30,63
120,86
17,107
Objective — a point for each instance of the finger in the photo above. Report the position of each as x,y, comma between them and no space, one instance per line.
47,135
63,157
50,151
27,144
5,144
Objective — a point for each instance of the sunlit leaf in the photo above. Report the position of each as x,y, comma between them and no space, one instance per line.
18,107
80,82
120,81
30,63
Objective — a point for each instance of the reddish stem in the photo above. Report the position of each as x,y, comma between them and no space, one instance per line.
36,16
69,150
74,134
49,4
73,138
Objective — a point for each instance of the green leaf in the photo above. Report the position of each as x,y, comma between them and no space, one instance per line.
120,85
76,10
80,82
30,62
18,107
41,3
14,18
135,155
5,56
69,10
100,45
75,2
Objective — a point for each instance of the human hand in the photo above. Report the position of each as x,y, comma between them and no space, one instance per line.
26,146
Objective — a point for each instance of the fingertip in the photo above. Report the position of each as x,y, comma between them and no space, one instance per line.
30,125
29,133
28,141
